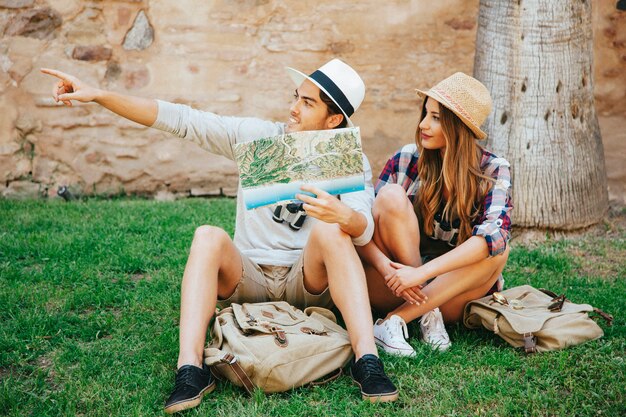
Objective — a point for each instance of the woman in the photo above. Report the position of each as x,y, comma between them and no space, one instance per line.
442,219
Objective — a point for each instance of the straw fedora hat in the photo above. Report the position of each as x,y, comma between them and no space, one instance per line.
339,81
466,97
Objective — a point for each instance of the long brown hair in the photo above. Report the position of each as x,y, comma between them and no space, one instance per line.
459,170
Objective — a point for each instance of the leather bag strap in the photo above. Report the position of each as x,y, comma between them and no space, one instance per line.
606,316
230,360
327,378
548,292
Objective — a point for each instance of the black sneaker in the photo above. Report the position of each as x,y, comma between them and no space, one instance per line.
369,373
191,384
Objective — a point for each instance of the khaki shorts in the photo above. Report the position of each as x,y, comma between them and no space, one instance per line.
261,283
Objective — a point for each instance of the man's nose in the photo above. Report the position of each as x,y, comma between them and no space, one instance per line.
295,107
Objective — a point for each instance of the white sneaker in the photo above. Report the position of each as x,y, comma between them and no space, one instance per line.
433,331
391,334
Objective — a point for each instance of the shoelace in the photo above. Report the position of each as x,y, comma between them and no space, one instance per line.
183,378
373,369
400,325
431,319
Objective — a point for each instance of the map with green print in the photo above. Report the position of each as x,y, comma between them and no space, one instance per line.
271,170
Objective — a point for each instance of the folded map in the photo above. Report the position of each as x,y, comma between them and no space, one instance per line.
272,170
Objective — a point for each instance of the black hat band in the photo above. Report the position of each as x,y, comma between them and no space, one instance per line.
334,91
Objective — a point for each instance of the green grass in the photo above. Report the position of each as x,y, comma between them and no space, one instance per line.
89,299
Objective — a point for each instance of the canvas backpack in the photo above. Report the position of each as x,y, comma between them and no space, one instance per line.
275,346
537,320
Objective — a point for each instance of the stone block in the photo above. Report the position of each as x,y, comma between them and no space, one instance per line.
67,8
205,191
92,53
11,168
28,124
44,169
8,115
23,190
175,15
119,18
8,149
20,69
36,23
136,78
230,191
5,18
458,23
141,34
88,27
16,4
164,195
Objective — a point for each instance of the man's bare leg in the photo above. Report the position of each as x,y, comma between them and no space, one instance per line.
330,261
213,269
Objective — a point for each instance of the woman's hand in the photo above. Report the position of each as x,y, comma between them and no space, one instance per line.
70,88
405,278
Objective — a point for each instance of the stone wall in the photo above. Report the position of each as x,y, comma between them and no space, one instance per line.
225,56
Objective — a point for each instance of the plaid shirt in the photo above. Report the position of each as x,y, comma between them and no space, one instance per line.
494,223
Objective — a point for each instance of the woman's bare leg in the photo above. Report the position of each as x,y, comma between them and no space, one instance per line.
396,238
453,290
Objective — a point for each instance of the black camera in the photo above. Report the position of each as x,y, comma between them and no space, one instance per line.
292,213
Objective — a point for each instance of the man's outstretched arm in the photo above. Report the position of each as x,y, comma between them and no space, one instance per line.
137,109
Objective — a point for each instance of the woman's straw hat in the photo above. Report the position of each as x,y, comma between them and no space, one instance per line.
466,97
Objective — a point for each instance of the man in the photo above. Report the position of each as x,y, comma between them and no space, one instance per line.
315,265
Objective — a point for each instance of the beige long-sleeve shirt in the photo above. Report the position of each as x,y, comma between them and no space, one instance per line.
256,235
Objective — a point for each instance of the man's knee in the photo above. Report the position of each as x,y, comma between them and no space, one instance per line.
210,236
329,236
391,198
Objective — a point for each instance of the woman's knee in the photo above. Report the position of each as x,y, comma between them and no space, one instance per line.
501,258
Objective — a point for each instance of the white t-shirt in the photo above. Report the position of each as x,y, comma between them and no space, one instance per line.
256,235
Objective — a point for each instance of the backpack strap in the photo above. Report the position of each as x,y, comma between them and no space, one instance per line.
327,378
606,316
548,292
230,360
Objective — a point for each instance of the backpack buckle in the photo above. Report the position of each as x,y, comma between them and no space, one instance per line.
530,343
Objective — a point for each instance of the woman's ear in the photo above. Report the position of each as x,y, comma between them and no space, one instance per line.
334,120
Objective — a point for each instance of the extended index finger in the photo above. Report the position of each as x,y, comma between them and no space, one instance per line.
55,73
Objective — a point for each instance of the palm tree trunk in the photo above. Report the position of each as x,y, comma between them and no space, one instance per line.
536,58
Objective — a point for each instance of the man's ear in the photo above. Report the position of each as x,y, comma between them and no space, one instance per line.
334,120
